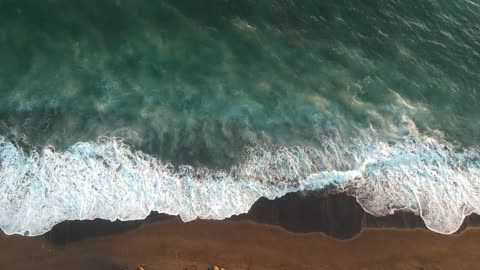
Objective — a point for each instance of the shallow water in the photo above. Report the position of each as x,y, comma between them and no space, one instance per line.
378,98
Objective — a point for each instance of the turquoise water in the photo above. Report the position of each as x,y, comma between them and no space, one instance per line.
113,109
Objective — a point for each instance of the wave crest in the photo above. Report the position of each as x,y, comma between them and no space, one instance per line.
107,179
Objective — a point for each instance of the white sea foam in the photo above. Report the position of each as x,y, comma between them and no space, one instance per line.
106,179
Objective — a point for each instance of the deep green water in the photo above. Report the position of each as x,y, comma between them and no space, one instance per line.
194,82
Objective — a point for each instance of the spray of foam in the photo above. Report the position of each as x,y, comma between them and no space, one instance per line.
423,175
106,179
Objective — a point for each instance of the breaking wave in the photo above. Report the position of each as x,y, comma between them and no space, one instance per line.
107,179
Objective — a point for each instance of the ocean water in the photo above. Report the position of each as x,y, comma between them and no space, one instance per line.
113,109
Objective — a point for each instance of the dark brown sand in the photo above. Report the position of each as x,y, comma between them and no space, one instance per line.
172,244
293,232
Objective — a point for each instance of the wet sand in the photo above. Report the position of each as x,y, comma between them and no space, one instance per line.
293,232
172,244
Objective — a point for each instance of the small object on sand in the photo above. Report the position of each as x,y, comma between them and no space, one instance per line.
216,267
140,268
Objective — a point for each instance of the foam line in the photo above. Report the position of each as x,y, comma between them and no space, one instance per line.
107,179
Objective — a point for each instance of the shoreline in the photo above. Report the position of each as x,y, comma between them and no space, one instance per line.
298,231
336,215
172,244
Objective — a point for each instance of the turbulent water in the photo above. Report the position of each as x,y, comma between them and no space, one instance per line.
113,109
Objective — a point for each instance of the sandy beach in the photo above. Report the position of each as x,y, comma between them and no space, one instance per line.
257,240
172,244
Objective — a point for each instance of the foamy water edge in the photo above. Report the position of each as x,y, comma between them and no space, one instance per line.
106,179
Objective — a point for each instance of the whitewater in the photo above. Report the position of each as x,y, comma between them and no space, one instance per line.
107,179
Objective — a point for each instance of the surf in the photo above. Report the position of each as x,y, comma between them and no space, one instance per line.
108,179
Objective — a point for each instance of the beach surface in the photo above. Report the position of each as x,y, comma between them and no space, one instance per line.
297,231
172,244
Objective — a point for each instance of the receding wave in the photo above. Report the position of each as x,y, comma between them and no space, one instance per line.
107,179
